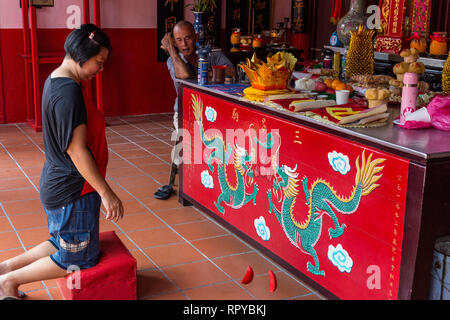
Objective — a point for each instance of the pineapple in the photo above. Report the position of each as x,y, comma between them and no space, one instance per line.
360,58
446,76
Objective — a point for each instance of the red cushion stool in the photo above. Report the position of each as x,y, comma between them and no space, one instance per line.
113,278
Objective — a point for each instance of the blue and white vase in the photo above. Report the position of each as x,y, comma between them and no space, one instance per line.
199,28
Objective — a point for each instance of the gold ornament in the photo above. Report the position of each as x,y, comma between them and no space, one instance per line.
274,74
446,76
360,58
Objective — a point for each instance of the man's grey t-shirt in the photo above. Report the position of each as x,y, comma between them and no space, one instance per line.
214,59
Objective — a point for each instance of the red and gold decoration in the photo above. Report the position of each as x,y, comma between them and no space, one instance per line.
420,16
360,57
337,11
273,75
393,23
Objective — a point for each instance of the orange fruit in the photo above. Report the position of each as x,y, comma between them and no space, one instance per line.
341,86
335,83
328,82
350,88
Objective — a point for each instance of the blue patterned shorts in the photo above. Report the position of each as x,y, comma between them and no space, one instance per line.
74,231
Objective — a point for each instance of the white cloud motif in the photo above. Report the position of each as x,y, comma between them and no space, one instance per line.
340,258
262,230
339,162
210,114
207,179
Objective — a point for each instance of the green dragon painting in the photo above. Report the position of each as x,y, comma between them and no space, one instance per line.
321,199
234,196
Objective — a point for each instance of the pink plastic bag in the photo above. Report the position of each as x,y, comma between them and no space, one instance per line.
439,111
436,114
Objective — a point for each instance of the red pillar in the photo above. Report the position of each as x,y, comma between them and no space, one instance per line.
37,123
98,78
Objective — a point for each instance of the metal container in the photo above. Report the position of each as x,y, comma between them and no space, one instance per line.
202,71
440,271
328,56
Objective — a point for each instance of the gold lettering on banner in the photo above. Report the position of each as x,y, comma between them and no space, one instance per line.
297,20
260,5
170,22
235,115
396,238
237,14
297,137
171,3
298,23
260,21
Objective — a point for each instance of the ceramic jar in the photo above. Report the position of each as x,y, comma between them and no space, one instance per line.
351,21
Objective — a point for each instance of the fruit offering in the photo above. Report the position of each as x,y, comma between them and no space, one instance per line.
438,45
330,85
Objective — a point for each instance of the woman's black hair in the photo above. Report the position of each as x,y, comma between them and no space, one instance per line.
86,42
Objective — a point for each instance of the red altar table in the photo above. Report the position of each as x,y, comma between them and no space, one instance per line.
352,212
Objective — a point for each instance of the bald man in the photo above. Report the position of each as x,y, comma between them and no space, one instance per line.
183,64
183,60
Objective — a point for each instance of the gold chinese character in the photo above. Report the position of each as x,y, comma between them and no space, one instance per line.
299,4
171,3
260,5
237,14
235,115
298,23
259,23
170,22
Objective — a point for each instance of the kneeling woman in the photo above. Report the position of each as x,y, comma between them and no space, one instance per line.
72,184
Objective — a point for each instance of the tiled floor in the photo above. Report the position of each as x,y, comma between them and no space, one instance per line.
181,252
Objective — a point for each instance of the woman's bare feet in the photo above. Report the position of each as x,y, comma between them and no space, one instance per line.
3,268
8,287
